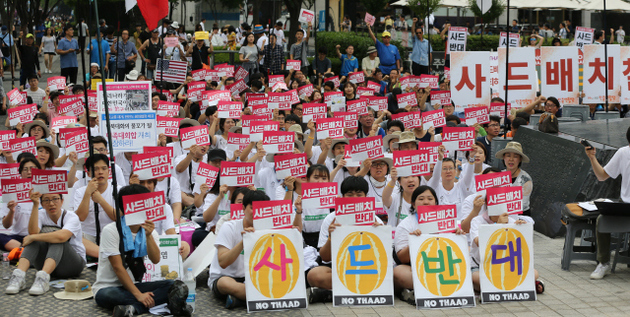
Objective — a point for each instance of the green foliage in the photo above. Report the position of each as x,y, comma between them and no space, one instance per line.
495,11
374,7
423,8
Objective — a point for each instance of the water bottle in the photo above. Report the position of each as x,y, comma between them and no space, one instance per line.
189,279
6,266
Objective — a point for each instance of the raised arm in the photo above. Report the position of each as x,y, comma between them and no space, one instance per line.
371,33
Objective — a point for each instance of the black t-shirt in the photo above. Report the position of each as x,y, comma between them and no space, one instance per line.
29,57
144,36
199,56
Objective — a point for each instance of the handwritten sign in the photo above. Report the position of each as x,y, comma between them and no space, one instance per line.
330,128
275,214
412,163
152,165
237,173
355,211
435,118
437,219
371,147
50,181
141,207
502,200
319,195
458,138
290,165
195,136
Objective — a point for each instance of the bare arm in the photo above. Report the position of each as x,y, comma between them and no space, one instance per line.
227,256
598,170
371,34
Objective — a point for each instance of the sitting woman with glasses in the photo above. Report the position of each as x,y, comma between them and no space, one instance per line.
376,173
443,180
53,246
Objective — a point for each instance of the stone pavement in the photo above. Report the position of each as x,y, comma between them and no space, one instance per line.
567,294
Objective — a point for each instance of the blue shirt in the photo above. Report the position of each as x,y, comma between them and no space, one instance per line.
7,38
41,28
94,51
123,51
419,55
70,59
388,54
348,65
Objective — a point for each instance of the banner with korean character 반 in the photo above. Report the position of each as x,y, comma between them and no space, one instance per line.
18,146
278,142
360,106
125,97
377,103
437,219
456,39
195,136
274,266
50,181
237,174
293,64
56,83
350,119
356,77
502,200
364,148
432,81
229,109
22,114
313,111
168,126
470,79
168,109
237,141
290,165
498,109
247,120
506,271
458,138
141,207
274,214
432,147
440,98
305,91
362,266
170,266
319,195
206,174
412,163
355,211
330,128
279,100
409,119
78,143
434,118
364,92
440,266
151,165
475,115
522,76
408,99
559,73
484,181
17,190
130,131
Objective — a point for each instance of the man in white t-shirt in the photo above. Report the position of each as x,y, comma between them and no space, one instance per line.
621,35
203,24
186,166
36,93
279,32
118,286
618,165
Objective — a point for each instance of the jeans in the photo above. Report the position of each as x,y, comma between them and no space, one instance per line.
112,69
150,73
111,297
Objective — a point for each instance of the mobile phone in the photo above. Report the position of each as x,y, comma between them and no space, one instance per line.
586,144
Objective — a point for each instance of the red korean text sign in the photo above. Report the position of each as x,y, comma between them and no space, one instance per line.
22,114
77,142
313,111
50,181
458,138
152,165
364,148
355,211
277,142
275,214
206,174
229,109
330,128
141,207
195,136
437,219
412,163
290,165
319,195
237,173
409,119
168,126
16,190
485,181
168,109
480,115
350,119
502,200
435,118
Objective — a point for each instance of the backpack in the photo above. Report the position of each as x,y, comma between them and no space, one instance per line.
548,123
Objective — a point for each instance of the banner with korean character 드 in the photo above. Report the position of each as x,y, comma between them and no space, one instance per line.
168,109
595,77
409,119
370,147
61,122
437,219
559,73
274,266
130,131
412,163
230,109
10,170
92,99
330,128
583,36
498,109
151,165
273,79
279,100
5,137
355,211
125,97
458,138
408,99
350,119
362,266
77,142
237,141
440,266
484,181
15,97
71,105
247,120
440,97
195,136
319,195
206,174
237,173
199,75
238,87
17,190
50,181
432,147
305,91
262,110
514,40
377,103
240,73
456,39
168,126
22,114
506,271
313,111
18,146
522,78
374,86
335,80
278,142
476,115
290,165
56,83
257,129
409,82
470,79
356,77
141,207
359,106
224,70
274,214
170,266
236,212
435,118
502,200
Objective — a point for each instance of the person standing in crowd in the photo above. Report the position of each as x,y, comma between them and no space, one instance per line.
217,40
39,33
621,35
346,24
68,48
388,53
422,51
94,52
299,49
274,53
199,53
279,32
49,46
7,46
203,24
37,94
153,48
103,26
30,59
262,40
84,32
126,55
562,32
493,128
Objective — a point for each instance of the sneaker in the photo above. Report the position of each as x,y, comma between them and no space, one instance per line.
124,311
231,302
408,296
177,294
318,295
600,271
16,283
40,285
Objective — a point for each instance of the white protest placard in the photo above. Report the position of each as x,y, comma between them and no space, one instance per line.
168,126
458,138
313,111
374,86
356,77
151,165
470,79
523,78
369,19
360,106
305,91
595,77
224,70
238,87
195,136
274,79
319,195
364,92
22,114
330,128
230,109
362,266
195,90
503,40
583,36
370,147
502,200
130,131
278,142
498,109
257,128
50,181
236,142
290,165
18,146
432,147
279,100
168,109
624,76
456,39
434,118
479,115
440,98
432,80
16,97
18,190
78,142
247,121
72,105
559,73
377,103
328,96
334,79
409,119
236,212
440,265
484,181
170,266
355,211
199,261
61,122
408,99
212,97
5,136
506,271
92,101
293,64
437,218
274,266
274,214
199,74
141,207
10,170
240,73
237,173
306,16
125,97
56,83
412,163
206,174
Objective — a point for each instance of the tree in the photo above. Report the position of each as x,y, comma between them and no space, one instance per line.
294,6
374,7
423,8
33,13
494,12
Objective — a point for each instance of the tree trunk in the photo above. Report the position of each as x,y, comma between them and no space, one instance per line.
255,11
294,13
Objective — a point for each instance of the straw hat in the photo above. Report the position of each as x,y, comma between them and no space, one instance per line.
371,50
389,137
297,129
513,147
53,148
75,290
332,146
387,160
192,122
236,127
30,125
407,136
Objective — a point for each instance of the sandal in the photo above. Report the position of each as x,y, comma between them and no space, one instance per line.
540,287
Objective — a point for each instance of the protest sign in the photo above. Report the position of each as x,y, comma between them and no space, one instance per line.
130,131
595,77
237,173
168,109
78,143
241,73
206,174
313,111
199,74
522,77
355,211
274,266
17,190
305,91
201,35
409,119
583,36
434,118
290,165
237,88
350,119
274,214
92,101
377,103
125,97
456,39
10,170
319,195
484,181
360,106
274,79
224,70
71,105
408,99
502,200
440,98
412,163
470,79
432,148
16,97
170,266
364,92
50,181
293,64
64,132
437,219
330,128
22,114
257,128
624,74
212,97
247,121
306,16
236,212
159,149
433,81
458,138
56,83
279,100
335,80
195,136
277,142
559,73
152,165
476,115
506,271
23,144
514,40
328,96
362,266
168,126
141,207
5,137
374,86
236,142
230,109
370,147
61,122
356,77
498,109
440,264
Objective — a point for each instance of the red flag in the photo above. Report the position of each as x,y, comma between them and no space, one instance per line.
153,11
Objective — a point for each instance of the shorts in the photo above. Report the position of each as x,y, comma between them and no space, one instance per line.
50,53
5,238
215,290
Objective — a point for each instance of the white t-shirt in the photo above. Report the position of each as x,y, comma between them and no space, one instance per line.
374,191
71,223
323,231
392,211
177,148
262,41
163,225
174,195
184,177
105,275
89,225
21,217
125,165
468,204
222,210
82,181
267,180
619,165
401,238
279,36
229,236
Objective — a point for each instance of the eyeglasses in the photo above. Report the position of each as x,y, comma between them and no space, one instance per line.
494,125
298,109
448,169
54,200
100,150
379,164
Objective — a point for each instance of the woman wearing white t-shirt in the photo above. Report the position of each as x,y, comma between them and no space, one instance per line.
443,181
221,141
377,171
398,202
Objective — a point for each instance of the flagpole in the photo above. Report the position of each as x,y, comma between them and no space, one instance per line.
507,59
109,142
606,55
162,68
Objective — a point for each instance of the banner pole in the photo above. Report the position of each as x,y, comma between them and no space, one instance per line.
606,54
507,63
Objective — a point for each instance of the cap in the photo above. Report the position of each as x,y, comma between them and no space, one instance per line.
217,154
94,64
133,75
386,34
30,36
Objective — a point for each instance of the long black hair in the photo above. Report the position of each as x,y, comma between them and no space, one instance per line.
417,192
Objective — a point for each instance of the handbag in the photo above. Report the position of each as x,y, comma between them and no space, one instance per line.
548,123
49,229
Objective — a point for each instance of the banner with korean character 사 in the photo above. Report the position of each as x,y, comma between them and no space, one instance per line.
470,79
